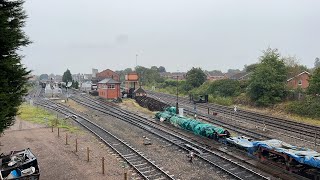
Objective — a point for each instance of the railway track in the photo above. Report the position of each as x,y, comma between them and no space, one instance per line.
308,132
232,167
233,127
144,166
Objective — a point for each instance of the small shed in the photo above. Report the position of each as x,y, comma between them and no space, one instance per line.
139,92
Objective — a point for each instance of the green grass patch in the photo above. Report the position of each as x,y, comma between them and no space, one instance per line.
41,116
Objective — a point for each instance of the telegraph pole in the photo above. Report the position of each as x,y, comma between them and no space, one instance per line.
177,104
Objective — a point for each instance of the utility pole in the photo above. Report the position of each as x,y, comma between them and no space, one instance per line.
136,60
177,104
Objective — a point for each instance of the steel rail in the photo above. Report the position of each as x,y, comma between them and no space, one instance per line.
229,166
145,167
286,125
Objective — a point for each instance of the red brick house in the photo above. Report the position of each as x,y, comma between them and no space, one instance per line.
215,75
301,80
107,74
109,88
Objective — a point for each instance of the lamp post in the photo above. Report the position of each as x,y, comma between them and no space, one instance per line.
177,103
136,60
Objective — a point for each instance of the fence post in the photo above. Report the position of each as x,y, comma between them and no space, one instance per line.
76,145
66,138
208,110
125,175
102,165
88,154
58,132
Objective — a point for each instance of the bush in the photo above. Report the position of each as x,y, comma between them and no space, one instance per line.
225,101
242,99
225,87
309,107
202,90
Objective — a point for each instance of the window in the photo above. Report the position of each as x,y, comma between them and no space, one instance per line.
300,82
103,86
111,86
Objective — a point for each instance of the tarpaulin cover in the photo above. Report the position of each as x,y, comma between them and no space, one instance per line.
301,155
240,141
171,109
195,126
165,115
200,128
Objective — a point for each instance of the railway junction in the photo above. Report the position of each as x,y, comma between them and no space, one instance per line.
165,155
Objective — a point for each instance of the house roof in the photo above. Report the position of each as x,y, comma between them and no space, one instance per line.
139,90
214,73
304,72
239,75
109,81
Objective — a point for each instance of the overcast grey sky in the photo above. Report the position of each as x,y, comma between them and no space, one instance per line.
177,34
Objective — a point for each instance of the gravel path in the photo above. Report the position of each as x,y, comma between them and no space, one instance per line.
60,161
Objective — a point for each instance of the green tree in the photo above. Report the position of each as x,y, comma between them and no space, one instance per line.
195,77
75,84
317,62
225,87
268,81
67,77
314,82
161,69
44,77
148,76
155,68
14,75
251,67
293,67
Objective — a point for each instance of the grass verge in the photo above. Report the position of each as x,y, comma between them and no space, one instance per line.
41,116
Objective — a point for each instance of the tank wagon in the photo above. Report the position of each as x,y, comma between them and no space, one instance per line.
195,126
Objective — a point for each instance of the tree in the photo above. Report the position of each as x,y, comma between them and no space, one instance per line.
43,77
75,84
67,77
155,68
268,80
148,76
251,67
195,77
232,72
317,62
161,69
314,82
14,75
293,67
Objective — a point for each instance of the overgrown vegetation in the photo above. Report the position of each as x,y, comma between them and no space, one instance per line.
41,116
266,87
309,107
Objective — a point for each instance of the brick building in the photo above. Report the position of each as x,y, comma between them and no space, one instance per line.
299,81
107,74
215,75
109,88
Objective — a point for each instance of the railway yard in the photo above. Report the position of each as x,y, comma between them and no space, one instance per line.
158,150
